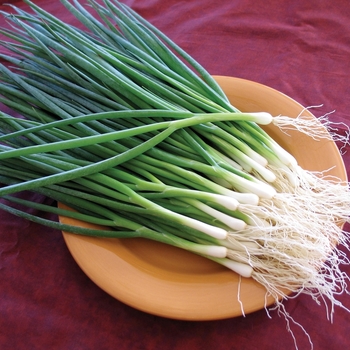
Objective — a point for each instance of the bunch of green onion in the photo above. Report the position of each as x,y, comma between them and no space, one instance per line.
124,127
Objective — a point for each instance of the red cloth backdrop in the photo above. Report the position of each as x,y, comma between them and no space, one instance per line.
301,48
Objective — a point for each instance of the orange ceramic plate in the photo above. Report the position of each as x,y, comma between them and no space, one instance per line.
169,282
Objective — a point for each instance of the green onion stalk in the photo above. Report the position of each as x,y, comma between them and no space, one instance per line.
123,127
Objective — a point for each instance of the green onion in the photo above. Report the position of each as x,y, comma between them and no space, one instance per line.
116,118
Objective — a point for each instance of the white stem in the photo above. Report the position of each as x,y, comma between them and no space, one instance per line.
283,155
241,246
226,159
231,222
211,250
267,174
241,184
243,270
244,165
247,198
227,202
257,157
219,181
225,188
262,118
250,164
258,188
210,230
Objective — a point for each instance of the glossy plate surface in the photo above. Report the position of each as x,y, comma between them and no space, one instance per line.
169,282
